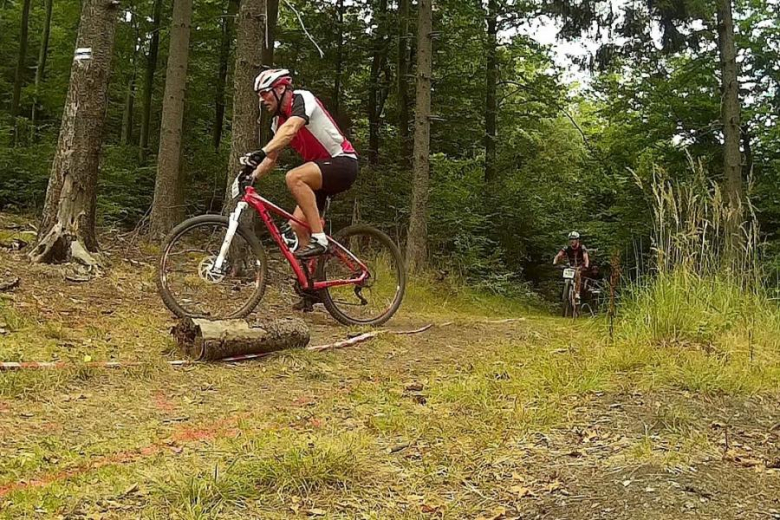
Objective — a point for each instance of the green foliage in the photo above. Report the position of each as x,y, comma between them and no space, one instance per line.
566,159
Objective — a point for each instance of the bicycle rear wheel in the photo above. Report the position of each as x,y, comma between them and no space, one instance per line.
189,284
376,299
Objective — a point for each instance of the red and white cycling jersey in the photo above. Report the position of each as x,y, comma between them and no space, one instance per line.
320,138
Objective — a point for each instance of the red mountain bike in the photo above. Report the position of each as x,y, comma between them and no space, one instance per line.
212,266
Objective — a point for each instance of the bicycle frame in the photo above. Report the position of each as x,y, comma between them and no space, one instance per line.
265,209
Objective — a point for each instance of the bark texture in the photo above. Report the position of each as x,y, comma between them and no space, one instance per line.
417,240
490,92
228,24
403,82
246,109
151,68
67,229
213,340
730,116
20,65
167,207
40,70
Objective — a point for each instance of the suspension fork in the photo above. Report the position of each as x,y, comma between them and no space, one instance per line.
232,227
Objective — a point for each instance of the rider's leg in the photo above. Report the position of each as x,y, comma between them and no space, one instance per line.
300,231
302,181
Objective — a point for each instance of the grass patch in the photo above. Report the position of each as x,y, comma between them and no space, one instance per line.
427,296
284,465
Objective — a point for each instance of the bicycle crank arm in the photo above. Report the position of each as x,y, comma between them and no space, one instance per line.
232,227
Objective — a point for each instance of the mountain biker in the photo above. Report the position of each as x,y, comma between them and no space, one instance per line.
330,162
575,253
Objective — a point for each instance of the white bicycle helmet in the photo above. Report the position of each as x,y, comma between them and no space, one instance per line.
574,235
271,78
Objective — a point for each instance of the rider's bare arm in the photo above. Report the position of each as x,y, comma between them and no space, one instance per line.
586,260
557,257
284,134
266,166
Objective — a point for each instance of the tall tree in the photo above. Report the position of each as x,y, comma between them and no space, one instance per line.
491,86
417,240
375,89
730,116
272,10
339,57
246,109
151,68
20,65
40,70
403,82
67,229
228,21
127,115
167,208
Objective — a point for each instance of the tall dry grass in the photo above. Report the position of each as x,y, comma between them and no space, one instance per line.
706,287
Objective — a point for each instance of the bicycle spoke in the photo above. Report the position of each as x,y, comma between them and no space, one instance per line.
375,298
190,278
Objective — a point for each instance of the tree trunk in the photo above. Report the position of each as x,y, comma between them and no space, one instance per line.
224,55
40,70
490,93
246,109
214,340
730,108
403,82
20,65
67,228
339,59
151,68
167,208
377,65
127,116
417,240
268,60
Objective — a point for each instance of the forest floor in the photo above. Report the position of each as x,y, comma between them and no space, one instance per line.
535,418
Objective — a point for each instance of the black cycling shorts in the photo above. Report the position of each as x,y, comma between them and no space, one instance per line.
338,175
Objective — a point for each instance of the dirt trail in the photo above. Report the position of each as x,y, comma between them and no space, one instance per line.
470,420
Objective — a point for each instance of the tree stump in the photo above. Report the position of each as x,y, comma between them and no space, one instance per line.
213,340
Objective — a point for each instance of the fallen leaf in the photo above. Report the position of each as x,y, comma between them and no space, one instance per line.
414,387
315,512
425,508
626,483
553,486
522,491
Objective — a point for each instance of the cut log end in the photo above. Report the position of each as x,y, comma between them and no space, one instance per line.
213,340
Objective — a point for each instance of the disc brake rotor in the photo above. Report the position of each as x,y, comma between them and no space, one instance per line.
207,273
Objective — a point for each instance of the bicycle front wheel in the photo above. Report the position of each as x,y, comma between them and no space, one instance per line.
378,297
192,286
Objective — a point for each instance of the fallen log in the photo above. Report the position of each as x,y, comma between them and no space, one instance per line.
207,340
